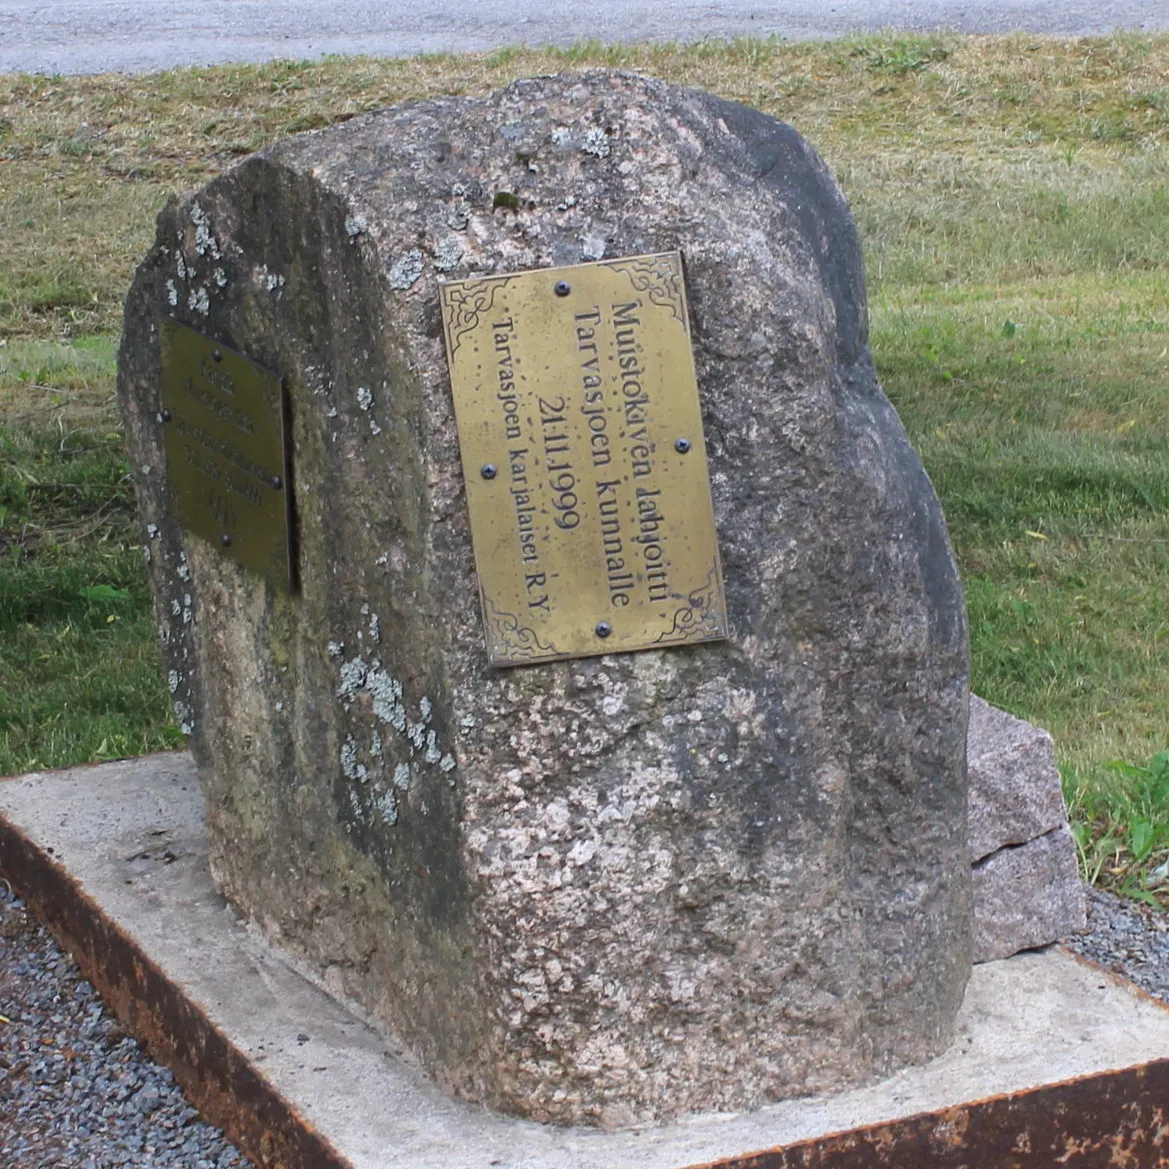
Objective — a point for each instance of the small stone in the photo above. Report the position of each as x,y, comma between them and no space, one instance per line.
1015,792
1027,889
1027,895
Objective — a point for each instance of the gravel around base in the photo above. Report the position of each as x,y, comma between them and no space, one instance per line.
1128,938
76,1092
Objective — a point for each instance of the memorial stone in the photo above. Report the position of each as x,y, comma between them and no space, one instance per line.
604,887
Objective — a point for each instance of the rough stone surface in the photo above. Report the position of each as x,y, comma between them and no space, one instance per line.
1027,889
1027,895
1015,794
607,890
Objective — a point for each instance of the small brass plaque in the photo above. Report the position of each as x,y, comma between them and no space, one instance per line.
581,442
226,451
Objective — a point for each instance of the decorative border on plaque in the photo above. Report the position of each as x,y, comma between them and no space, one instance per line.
699,620
466,302
518,642
660,278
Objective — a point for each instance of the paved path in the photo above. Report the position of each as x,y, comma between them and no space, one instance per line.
86,36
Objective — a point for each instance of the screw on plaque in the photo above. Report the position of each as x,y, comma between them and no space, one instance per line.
216,355
681,445
488,471
602,629
165,415
562,288
275,482
225,539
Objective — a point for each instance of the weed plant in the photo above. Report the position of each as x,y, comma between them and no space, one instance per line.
1013,199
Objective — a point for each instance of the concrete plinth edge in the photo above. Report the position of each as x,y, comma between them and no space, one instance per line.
1056,1062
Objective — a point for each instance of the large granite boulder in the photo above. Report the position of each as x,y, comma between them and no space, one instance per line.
604,890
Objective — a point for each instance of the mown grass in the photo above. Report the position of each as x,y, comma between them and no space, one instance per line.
1013,198
79,674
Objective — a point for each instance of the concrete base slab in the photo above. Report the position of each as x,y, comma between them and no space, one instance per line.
1055,1061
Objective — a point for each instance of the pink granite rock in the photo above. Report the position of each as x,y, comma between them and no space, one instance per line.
608,890
1027,887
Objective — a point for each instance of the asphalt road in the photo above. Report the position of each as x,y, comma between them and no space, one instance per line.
89,36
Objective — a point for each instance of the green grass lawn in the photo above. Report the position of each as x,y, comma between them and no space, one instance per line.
1013,199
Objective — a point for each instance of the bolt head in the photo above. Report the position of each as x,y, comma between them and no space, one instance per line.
165,415
681,445
216,355
225,539
275,482
488,471
562,288
602,629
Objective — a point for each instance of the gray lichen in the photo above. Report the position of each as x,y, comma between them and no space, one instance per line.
205,242
448,252
388,806
406,271
596,142
349,758
387,698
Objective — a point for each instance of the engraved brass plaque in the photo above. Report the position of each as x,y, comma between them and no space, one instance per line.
581,441
226,451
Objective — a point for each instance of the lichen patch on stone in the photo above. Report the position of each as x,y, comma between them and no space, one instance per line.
388,806
596,142
406,271
184,716
205,242
352,678
592,247
349,758
199,301
448,252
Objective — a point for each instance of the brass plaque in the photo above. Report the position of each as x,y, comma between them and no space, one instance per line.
582,448
226,451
